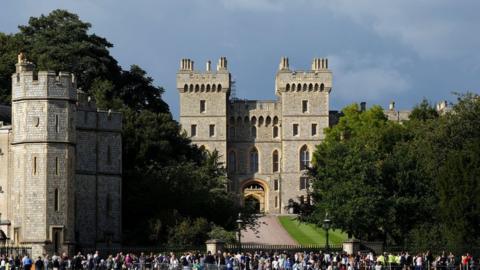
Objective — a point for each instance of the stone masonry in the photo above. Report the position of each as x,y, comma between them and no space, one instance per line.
60,166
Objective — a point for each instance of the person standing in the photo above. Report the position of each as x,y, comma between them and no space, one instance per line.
39,264
27,262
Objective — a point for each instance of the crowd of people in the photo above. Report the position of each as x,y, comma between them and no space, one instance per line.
244,261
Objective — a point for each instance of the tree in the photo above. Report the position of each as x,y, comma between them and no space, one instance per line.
359,178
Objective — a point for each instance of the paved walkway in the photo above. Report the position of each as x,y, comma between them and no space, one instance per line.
270,232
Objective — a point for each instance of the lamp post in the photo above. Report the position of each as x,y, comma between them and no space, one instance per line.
239,223
326,225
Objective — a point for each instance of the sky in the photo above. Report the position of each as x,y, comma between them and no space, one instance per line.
379,51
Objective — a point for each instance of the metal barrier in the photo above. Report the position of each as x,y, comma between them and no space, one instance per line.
20,251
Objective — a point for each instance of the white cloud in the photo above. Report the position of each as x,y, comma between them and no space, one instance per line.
369,78
433,28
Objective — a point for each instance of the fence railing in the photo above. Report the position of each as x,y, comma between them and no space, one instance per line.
281,248
137,250
20,251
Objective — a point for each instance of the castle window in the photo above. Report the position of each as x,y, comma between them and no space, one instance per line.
275,184
304,183
299,87
275,120
56,203
56,166
57,128
322,87
295,130
211,130
197,87
310,87
275,161
304,87
275,132
287,87
108,206
214,87
254,120
232,161
276,201
268,120
316,87
203,106
231,132
304,158
18,77
219,88
208,87
34,165
293,87
253,132
109,155
202,88
193,130
185,88
314,129
254,160
304,106
191,87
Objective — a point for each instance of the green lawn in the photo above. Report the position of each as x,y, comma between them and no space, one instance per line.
310,234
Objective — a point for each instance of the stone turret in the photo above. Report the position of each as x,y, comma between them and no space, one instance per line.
204,97
43,143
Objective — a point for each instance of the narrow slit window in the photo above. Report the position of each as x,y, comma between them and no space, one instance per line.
56,166
34,165
314,129
193,130
295,130
211,130
56,202
304,106
57,128
203,106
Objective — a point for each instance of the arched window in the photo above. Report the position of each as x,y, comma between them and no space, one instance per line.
299,87
202,88
208,87
56,203
310,87
316,87
185,88
304,87
254,120
232,161
268,120
191,87
275,120
219,88
287,87
322,87
260,121
304,158
275,132
239,121
214,87
253,131
293,87
197,88
254,160
275,161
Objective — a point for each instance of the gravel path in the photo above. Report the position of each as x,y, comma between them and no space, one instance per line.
270,232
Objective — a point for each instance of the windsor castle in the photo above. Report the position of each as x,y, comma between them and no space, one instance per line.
60,166
267,146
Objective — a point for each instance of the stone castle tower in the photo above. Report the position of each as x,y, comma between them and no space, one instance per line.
43,155
267,145
60,166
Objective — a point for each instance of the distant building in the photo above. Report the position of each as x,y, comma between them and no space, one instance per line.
266,145
60,165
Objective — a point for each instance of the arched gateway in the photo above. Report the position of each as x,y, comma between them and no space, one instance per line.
255,193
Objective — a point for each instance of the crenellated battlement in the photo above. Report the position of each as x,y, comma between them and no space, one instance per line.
30,84
317,79
190,80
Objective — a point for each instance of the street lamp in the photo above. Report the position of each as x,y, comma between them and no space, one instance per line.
239,223
326,225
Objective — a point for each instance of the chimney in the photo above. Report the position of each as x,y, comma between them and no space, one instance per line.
209,66
392,105
284,65
363,106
